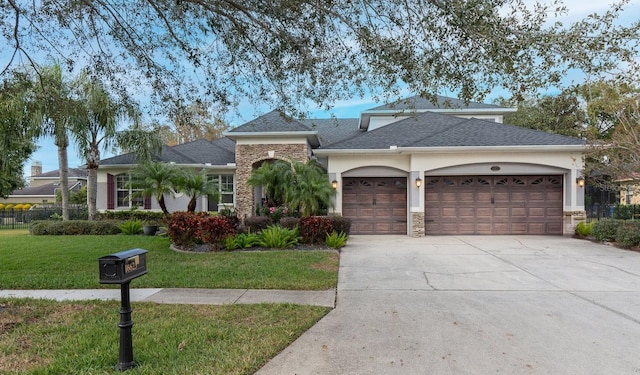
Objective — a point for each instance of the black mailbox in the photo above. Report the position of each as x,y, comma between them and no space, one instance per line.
122,267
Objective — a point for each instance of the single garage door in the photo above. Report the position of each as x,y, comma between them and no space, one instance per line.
375,205
493,204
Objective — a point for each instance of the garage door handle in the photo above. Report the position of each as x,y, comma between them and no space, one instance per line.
492,201
374,201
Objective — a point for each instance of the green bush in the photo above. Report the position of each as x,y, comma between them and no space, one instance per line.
341,224
605,229
255,224
151,217
72,227
131,227
289,222
277,237
628,234
336,240
583,229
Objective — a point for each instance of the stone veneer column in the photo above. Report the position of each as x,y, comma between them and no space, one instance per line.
417,224
247,156
570,220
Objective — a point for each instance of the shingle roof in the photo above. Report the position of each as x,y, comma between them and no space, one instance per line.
419,103
73,173
216,152
430,129
333,130
46,189
274,121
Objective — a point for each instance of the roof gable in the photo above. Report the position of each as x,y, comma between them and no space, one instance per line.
274,121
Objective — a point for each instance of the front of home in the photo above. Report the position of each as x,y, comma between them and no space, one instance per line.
415,168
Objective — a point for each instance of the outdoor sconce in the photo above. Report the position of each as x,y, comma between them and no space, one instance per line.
418,182
580,181
334,184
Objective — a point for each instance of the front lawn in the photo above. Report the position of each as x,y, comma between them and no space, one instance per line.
46,337
71,262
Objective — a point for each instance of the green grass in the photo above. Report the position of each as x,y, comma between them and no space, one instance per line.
45,337
62,262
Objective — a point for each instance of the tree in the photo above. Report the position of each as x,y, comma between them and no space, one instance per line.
57,113
614,139
309,189
192,123
195,185
274,178
303,187
17,131
559,114
297,50
95,128
155,179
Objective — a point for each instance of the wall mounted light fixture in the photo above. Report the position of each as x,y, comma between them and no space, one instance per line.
334,184
580,181
418,182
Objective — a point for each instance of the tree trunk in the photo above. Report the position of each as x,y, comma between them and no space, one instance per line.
163,206
92,192
63,166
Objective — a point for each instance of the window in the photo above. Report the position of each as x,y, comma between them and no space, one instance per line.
225,190
124,193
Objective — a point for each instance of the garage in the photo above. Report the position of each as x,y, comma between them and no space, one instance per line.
494,205
375,205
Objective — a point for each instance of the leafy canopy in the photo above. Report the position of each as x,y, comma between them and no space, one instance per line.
296,50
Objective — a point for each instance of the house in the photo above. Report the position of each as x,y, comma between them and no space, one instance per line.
413,168
43,186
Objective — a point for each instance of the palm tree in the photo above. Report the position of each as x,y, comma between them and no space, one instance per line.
155,179
274,178
95,128
309,189
56,109
196,185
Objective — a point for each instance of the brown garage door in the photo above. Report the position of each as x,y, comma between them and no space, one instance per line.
493,205
375,205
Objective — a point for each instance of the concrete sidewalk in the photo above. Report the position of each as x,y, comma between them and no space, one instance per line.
325,298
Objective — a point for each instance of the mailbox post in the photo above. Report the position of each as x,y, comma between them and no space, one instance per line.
121,268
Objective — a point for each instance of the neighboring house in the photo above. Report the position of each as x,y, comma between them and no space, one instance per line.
412,168
630,189
43,186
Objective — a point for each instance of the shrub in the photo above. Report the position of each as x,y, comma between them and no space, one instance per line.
289,222
277,237
214,229
336,240
314,229
72,227
341,224
256,224
184,228
151,217
583,229
131,227
628,234
241,241
605,229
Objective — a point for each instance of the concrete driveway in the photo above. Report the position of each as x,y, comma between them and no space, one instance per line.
476,305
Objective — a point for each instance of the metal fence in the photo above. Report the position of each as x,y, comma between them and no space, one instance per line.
613,211
19,219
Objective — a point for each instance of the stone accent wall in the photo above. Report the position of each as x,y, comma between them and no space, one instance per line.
417,224
570,220
247,156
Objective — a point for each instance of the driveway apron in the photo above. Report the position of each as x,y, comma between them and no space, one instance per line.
476,305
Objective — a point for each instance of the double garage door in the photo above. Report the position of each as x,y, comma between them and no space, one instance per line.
493,205
457,204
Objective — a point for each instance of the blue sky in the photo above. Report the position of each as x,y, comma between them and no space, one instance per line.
47,152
